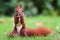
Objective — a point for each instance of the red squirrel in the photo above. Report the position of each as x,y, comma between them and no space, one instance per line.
18,21
20,28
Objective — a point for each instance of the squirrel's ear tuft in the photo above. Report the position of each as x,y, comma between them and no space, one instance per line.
20,5
16,5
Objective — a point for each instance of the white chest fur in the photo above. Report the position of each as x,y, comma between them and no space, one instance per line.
19,29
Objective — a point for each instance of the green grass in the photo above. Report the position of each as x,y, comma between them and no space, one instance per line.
50,22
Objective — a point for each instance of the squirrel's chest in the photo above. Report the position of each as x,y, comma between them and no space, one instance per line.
19,27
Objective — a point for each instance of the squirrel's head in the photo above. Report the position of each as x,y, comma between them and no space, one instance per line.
19,9
18,12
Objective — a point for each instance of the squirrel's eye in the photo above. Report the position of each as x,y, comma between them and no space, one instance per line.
16,11
16,14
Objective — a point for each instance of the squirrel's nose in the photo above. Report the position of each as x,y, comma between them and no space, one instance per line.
19,15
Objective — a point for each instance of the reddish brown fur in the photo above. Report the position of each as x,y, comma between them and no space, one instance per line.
28,32
37,32
16,19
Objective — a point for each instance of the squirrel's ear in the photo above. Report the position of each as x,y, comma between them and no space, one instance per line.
20,5
16,5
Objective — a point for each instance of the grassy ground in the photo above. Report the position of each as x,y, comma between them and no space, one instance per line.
50,22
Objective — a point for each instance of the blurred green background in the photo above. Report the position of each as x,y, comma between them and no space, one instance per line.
31,7
37,13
